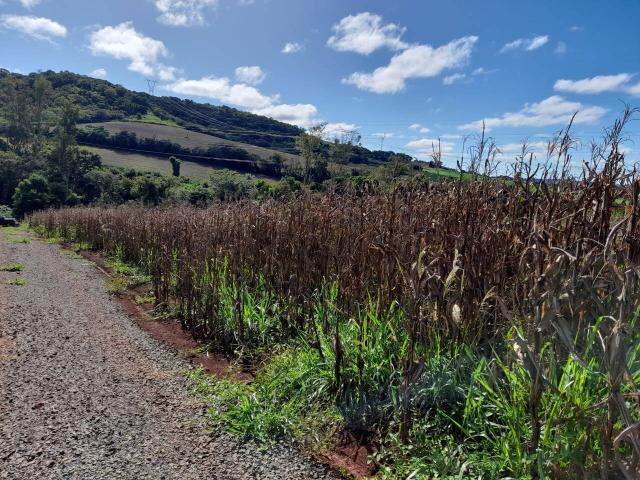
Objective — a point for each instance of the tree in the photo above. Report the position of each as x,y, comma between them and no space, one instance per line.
175,166
313,148
343,147
277,163
32,194
65,141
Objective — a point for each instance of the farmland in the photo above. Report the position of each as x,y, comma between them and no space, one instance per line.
186,138
483,327
150,163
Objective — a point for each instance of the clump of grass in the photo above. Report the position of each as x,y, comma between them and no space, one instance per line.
117,284
19,240
17,282
12,267
144,299
71,254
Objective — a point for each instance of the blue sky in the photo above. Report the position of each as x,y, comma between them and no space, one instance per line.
403,72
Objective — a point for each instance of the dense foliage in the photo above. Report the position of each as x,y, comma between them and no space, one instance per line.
480,329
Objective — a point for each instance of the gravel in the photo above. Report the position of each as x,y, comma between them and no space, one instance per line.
84,393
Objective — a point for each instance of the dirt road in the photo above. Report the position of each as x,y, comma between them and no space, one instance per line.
85,394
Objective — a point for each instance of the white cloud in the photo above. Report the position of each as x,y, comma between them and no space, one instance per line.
36,27
365,33
527,44
250,75
302,115
418,61
554,110
597,84
561,48
425,147
634,90
426,144
123,42
183,13
223,90
292,47
335,130
29,4
513,150
416,127
99,73
455,78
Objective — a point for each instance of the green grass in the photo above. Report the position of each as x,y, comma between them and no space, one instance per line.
23,227
150,163
145,299
17,282
153,119
188,138
12,267
18,240
117,285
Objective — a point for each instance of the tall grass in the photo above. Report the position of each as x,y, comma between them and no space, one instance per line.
496,317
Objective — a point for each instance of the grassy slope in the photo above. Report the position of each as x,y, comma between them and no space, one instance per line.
188,138
149,163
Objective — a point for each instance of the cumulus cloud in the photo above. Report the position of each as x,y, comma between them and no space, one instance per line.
634,90
526,44
245,96
183,13
425,147
597,84
416,127
561,48
554,110
123,42
335,130
250,75
37,27
365,33
513,150
99,73
418,61
301,114
223,90
29,4
455,78
292,47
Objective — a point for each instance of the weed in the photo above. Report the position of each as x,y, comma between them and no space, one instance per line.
144,299
19,240
12,267
117,284
17,282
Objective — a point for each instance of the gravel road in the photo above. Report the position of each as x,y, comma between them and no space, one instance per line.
85,394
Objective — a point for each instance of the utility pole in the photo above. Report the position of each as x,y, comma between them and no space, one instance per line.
152,86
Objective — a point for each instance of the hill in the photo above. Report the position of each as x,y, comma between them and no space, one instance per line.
127,122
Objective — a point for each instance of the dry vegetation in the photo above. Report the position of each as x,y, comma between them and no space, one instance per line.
493,322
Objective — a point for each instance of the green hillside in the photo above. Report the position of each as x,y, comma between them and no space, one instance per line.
127,122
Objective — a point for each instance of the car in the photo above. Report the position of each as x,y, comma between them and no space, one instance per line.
8,222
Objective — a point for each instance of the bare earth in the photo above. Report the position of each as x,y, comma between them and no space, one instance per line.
85,394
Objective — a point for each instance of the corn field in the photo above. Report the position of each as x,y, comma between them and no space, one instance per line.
538,275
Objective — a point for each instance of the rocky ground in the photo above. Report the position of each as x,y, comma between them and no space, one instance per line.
86,394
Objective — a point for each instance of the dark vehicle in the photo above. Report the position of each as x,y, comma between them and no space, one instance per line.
8,222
